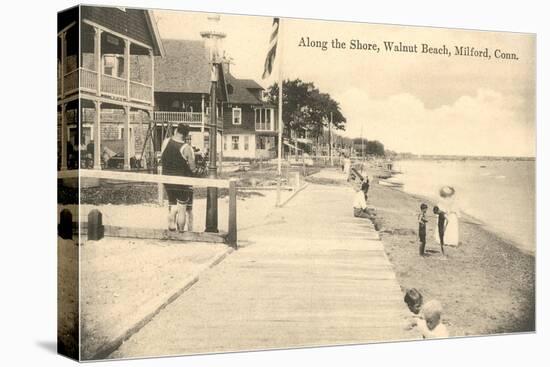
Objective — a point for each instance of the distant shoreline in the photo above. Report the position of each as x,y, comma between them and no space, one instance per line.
460,158
470,219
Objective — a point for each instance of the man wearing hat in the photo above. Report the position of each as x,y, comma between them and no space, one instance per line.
178,159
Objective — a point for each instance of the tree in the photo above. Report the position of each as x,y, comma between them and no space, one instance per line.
374,147
305,107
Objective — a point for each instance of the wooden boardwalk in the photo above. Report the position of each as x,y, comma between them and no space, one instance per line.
310,275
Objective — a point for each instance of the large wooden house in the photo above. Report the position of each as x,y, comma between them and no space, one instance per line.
182,91
250,127
246,123
106,77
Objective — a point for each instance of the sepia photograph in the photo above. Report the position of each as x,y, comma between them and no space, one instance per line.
232,183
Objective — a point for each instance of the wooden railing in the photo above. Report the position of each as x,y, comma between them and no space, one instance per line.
88,79
170,116
264,126
112,85
70,81
230,238
140,92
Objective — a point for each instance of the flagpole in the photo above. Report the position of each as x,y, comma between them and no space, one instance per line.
280,137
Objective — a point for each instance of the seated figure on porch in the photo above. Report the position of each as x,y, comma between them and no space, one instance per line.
178,159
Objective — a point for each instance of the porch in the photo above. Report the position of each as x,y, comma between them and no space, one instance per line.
193,119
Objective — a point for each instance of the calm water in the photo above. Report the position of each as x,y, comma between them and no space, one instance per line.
499,193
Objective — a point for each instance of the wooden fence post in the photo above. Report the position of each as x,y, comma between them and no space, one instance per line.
160,187
95,225
232,225
65,226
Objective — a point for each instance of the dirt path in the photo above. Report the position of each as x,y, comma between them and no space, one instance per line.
309,274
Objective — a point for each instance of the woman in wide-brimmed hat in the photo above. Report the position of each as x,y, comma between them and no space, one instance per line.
448,205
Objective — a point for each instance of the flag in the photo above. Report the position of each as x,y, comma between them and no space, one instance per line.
270,58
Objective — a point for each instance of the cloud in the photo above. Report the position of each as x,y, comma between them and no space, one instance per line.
488,123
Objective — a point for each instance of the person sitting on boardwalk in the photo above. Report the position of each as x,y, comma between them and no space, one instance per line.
360,205
430,326
178,159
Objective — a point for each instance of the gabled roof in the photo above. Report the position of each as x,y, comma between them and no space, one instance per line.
184,69
241,90
138,24
250,84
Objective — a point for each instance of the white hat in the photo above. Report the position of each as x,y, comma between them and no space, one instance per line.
446,191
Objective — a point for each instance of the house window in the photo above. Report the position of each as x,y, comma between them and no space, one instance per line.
246,142
260,142
225,142
237,117
113,65
121,133
235,142
264,119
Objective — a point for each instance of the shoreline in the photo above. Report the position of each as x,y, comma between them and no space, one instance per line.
473,220
487,283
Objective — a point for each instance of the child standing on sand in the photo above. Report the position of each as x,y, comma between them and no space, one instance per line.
442,222
422,220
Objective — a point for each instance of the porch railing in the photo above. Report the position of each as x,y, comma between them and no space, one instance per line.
140,92
264,126
88,78
174,116
192,118
110,85
70,81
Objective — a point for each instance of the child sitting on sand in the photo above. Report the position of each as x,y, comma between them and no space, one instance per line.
430,324
414,300
427,318
422,220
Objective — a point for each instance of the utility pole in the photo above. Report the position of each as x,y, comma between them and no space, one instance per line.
330,140
213,38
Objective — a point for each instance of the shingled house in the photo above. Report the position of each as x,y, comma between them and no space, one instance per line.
182,94
182,91
249,122
115,67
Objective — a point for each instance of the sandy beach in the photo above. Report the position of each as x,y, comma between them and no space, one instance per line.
486,284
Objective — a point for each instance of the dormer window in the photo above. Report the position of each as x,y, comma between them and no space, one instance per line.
229,89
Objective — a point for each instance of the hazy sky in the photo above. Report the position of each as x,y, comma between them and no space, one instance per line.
412,102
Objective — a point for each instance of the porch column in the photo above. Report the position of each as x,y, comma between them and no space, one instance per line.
63,60
97,135
221,154
152,56
63,137
126,137
97,58
127,66
202,119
